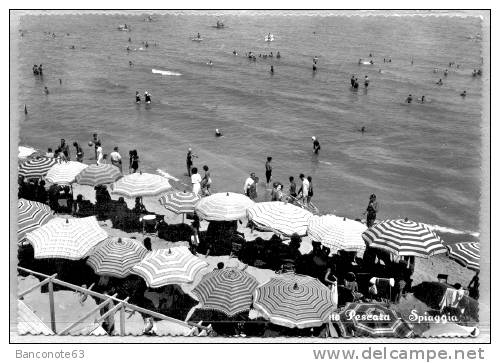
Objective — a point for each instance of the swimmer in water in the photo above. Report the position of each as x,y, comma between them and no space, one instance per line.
356,84
409,99
314,67
198,36
46,90
360,61
445,72
352,81
371,61
137,97
128,48
210,63
422,100
362,130
366,81
234,52
272,70
440,82
130,64
147,97
278,55
218,133
463,94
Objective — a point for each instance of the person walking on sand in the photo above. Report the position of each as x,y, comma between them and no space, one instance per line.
269,170
65,149
100,155
248,182
133,160
304,189
116,158
293,188
206,182
189,160
95,141
79,152
371,211
196,181
316,145
310,190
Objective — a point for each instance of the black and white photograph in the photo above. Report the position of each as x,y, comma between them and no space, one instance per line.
244,175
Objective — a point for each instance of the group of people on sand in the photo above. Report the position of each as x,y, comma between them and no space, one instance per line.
62,153
200,185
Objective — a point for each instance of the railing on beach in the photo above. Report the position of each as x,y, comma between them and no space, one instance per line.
120,305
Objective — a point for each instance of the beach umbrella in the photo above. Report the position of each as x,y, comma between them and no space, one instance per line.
25,152
294,301
140,185
65,172
98,174
227,290
337,233
372,320
175,265
36,167
180,202
284,218
223,207
403,237
66,238
31,215
465,253
116,257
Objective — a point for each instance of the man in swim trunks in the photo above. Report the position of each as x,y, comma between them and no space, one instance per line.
116,158
79,152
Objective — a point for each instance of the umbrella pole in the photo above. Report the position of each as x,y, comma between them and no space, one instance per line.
183,215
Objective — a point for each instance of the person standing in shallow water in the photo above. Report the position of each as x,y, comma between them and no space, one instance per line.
269,170
316,145
189,160
371,211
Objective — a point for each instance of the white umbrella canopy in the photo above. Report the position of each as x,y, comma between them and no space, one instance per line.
140,185
65,172
223,207
337,233
284,218
175,265
71,238
25,152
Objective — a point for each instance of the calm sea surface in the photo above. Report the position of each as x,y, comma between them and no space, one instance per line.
422,161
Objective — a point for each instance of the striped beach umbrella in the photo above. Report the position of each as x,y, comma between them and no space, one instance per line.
284,218
180,202
372,320
294,301
98,174
71,238
31,215
65,172
465,253
36,167
175,265
223,207
337,233
116,257
140,185
403,237
227,290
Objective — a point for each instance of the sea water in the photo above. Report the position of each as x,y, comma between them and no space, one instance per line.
423,161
